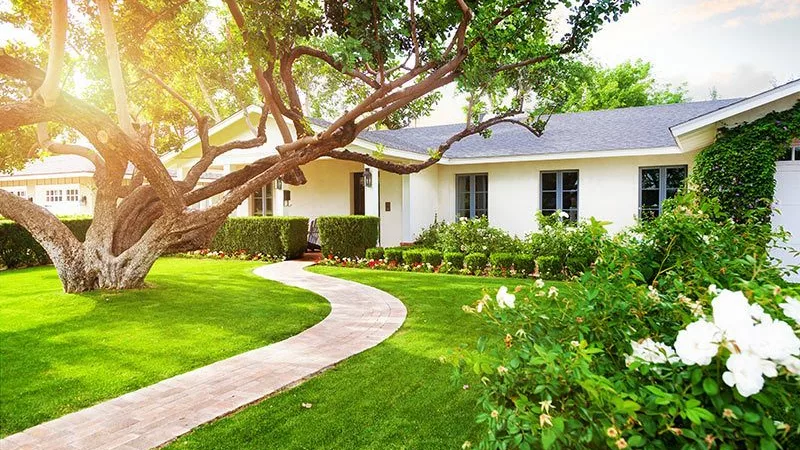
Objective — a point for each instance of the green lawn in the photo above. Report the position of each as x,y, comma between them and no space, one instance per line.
61,352
395,396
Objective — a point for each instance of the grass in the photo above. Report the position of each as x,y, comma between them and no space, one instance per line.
63,352
395,396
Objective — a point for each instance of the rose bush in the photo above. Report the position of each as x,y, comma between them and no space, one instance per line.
701,352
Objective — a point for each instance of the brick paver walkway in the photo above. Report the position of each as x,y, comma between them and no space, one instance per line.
360,318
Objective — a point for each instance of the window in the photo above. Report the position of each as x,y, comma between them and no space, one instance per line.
262,201
559,192
792,153
472,195
72,195
54,195
657,184
18,191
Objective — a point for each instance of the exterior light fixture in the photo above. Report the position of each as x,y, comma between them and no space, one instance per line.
367,177
279,183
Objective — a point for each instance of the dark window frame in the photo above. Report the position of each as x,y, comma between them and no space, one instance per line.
662,186
473,209
559,191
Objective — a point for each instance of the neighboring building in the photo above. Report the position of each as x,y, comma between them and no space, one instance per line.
615,165
63,184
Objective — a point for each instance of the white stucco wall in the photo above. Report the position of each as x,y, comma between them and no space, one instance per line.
391,190
329,190
608,189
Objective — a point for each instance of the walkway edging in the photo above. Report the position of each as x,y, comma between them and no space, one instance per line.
360,318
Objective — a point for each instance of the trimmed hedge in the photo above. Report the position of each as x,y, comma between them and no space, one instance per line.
456,259
502,261
393,254
432,257
374,253
550,267
348,236
412,257
277,236
525,263
19,249
476,262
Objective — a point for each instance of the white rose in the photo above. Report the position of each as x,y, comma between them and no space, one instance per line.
504,298
773,339
791,307
746,373
650,351
731,312
698,343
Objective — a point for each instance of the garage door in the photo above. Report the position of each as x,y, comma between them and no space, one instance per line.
787,196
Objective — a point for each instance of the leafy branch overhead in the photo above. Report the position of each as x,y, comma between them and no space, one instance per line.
150,73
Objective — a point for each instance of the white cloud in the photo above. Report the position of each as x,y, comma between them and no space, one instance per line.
743,80
737,12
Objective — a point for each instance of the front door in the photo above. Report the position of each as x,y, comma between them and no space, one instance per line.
358,193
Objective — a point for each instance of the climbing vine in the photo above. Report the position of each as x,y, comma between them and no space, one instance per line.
739,168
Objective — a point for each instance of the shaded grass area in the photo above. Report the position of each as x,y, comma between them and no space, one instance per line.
397,395
63,352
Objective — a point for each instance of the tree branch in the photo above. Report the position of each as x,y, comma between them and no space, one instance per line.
115,68
50,88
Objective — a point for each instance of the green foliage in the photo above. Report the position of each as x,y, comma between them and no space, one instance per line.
455,259
502,260
348,236
739,168
394,255
557,371
525,263
430,236
284,236
374,253
19,249
565,248
550,267
432,257
412,257
472,235
590,87
476,262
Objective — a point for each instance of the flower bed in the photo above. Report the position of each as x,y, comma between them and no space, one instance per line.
239,255
423,265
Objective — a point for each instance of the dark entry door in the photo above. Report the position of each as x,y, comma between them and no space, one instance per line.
358,193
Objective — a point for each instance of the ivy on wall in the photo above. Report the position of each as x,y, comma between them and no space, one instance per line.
739,168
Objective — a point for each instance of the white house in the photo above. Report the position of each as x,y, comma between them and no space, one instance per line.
614,165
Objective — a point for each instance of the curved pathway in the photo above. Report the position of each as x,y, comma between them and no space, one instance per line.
360,318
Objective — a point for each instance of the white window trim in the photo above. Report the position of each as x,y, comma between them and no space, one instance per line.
17,190
41,191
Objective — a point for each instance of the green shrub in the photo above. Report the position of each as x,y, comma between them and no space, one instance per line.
525,263
348,236
393,255
432,257
429,237
375,253
566,242
19,249
476,262
550,267
598,363
277,236
456,259
475,235
502,261
412,257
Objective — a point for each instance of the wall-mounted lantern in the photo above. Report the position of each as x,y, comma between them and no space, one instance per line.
287,198
367,177
84,200
279,183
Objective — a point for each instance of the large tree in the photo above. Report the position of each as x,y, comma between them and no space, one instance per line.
137,52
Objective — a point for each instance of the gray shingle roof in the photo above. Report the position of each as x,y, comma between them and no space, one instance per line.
613,129
56,164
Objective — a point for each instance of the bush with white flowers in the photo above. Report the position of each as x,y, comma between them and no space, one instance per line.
675,358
